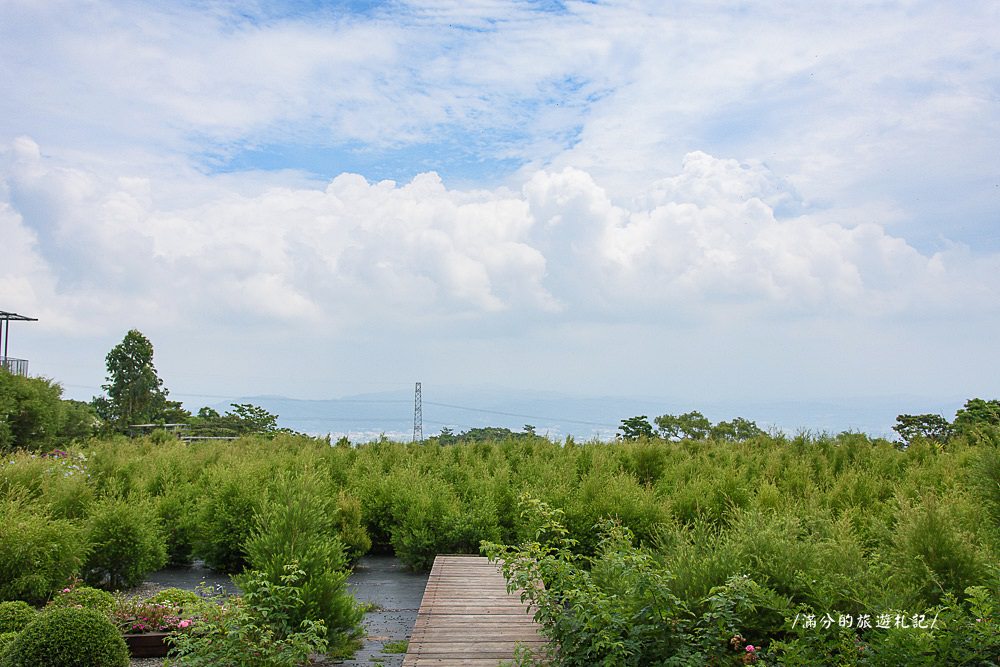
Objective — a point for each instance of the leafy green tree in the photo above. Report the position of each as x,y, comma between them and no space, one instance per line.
737,430
977,412
928,426
135,393
242,419
635,428
690,425
34,416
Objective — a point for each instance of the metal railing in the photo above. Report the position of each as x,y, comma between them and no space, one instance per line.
14,366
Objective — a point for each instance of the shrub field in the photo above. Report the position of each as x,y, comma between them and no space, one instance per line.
800,550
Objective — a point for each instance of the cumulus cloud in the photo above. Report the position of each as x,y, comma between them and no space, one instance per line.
354,253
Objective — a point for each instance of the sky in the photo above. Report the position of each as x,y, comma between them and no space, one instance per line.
700,201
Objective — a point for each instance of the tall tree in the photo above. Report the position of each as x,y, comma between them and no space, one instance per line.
135,393
635,428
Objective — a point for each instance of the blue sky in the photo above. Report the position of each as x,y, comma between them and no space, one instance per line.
690,200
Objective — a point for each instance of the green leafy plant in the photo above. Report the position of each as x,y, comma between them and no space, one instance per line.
400,646
187,603
85,597
132,615
253,630
126,543
37,554
15,615
68,636
298,529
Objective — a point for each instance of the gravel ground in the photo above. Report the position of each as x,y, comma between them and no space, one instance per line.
380,580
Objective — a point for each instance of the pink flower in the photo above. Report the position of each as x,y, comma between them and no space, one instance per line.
751,648
65,590
183,624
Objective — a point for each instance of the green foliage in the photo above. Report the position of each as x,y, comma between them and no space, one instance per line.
828,523
126,543
688,426
431,518
350,527
617,608
135,393
695,426
930,427
296,528
68,637
254,630
977,413
37,554
15,615
231,498
936,554
189,603
242,419
6,639
33,415
635,428
86,597
738,430
400,646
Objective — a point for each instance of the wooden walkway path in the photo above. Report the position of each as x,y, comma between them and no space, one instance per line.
467,617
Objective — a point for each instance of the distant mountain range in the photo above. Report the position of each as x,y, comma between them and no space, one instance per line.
366,416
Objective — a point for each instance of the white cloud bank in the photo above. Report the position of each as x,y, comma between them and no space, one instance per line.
95,251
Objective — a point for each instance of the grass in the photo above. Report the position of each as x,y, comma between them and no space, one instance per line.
396,647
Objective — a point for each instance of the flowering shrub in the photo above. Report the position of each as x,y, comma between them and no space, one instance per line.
134,616
253,630
83,597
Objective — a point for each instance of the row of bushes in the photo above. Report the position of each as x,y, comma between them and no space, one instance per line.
844,523
624,606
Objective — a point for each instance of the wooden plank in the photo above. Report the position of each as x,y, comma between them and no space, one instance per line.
467,617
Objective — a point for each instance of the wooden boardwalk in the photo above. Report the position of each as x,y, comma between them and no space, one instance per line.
467,617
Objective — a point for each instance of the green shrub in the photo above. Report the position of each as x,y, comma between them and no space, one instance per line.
126,542
179,520
68,637
188,602
86,597
37,554
15,615
6,639
936,555
350,527
252,630
230,500
297,528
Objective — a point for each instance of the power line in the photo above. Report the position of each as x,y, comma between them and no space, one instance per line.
515,414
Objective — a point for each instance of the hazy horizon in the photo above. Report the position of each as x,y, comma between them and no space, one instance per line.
312,199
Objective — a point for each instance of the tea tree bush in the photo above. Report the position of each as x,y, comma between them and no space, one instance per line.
230,499
126,543
37,554
68,637
296,529
350,528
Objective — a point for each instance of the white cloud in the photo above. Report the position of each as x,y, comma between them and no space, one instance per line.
355,252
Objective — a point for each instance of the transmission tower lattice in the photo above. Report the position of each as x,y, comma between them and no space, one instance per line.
418,416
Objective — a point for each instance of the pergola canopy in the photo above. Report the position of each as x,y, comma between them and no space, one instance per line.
5,320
